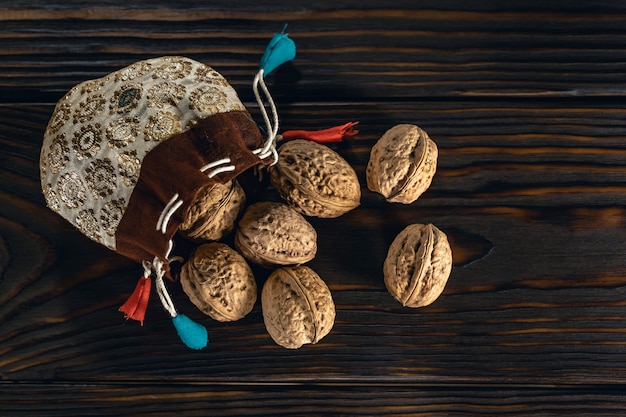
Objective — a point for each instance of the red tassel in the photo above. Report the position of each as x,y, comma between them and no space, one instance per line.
136,305
334,134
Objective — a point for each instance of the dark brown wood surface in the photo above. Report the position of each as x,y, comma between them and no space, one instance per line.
526,102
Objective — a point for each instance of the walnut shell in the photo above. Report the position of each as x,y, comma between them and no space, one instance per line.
214,213
402,164
297,307
271,234
418,265
315,180
219,282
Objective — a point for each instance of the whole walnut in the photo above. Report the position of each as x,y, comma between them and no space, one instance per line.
402,164
271,234
418,265
214,213
297,307
315,180
219,282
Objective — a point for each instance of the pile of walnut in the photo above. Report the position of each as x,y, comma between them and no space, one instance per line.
315,181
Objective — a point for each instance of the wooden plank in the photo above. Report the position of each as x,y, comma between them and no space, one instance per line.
413,50
524,99
311,400
531,194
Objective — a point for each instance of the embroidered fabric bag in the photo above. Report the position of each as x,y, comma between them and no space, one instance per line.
122,151
125,156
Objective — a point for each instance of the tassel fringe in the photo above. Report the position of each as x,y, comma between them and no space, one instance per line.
333,134
135,306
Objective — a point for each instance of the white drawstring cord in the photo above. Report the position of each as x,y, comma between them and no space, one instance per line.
218,169
147,269
157,265
269,149
173,205
164,296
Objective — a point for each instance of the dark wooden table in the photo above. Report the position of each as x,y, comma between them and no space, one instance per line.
526,102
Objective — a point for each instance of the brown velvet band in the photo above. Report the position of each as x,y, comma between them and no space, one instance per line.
173,167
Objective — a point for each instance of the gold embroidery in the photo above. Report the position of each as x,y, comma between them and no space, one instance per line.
43,168
89,108
173,69
101,178
92,85
208,99
71,190
207,74
161,126
58,153
88,224
165,94
60,116
111,214
128,166
133,71
86,141
125,99
51,198
122,131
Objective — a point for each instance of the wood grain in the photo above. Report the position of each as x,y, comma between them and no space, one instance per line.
525,102
539,270
424,49
383,400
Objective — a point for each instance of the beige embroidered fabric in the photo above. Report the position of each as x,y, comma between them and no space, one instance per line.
101,131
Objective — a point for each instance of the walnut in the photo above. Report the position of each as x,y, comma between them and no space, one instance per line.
402,164
271,234
214,213
418,265
219,282
297,307
315,180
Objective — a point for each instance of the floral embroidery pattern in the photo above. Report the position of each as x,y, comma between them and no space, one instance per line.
91,86
60,116
111,214
209,75
71,190
123,131
88,224
51,198
101,178
86,141
133,71
125,99
89,108
209,99
128,167
173,70
165,94
161,126
58,153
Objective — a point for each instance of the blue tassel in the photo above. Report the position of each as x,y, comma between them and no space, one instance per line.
193,334
281,49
